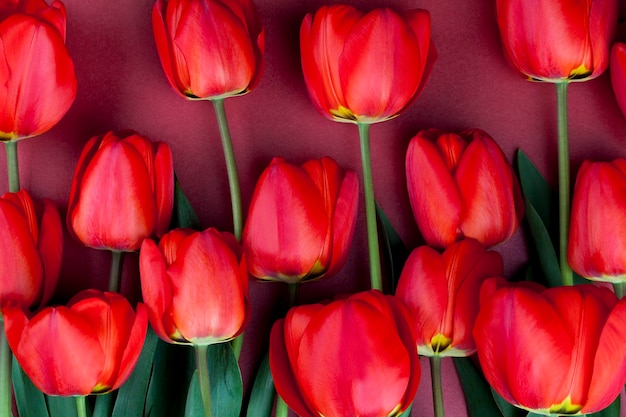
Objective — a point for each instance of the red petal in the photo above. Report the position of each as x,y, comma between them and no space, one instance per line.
134,344
51,248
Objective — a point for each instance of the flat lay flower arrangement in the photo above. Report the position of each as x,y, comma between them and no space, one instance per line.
167,334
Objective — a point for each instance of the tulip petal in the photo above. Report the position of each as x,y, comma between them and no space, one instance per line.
164,187
51,248
134,344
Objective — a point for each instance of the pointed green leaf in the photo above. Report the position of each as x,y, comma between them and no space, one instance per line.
30,401
612,410
538,192
104,405
131,396
394,249
183,214
225,381
507,409
61,406
263,392
543,247
478,398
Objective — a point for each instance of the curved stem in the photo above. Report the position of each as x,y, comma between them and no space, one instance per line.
567,277
231,167
435,378
12,166
115,277
81,407
370,207
5,373
202,364
282,410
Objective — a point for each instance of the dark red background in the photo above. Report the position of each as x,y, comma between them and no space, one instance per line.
121,85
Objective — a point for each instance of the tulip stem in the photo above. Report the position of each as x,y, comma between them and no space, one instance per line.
294,289
282,410
618,287
115,277
81,406
202,364
12,166
435,379
567,277
231,166
6,359
370,207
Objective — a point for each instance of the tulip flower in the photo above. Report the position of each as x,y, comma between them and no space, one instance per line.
440,291
194,286
301,221
209,49
353,357
462,186
597,237
618,74
38,81
89,346
557,40
31,235
122,192
364,67
552,351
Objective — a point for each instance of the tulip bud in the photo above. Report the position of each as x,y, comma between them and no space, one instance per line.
122,192
462,186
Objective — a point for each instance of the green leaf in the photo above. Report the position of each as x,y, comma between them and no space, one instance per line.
507,409
263,392
539,193
531,414
104,405
30,401
183,215
225,381
131,396
478,398
61,406
543,247
407,412
395,251
172,370
612,410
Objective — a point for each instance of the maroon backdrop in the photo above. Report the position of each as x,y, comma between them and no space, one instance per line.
121,85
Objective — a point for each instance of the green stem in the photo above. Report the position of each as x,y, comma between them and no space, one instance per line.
435,378
567,277
370,207
12,166
5,373
203,378
237,345
282,410
115,277
294,289
81,406
231,167
619,287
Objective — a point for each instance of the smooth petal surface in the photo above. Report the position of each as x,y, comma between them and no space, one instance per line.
50,247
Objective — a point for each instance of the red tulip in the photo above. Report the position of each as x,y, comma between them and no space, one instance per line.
618,74
365,67
31,237
122,192
209,49
194,286
441,293
557,351
462,186
352,357
597,237
90,346
38,84
301,221
557,40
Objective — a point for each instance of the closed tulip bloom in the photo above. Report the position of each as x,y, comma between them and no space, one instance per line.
195,287
557,40
597,237
618,74
209,49
122,192
441,290
38,83
462,186
89,346
301,221
353,357
31,235
553,351
365,67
